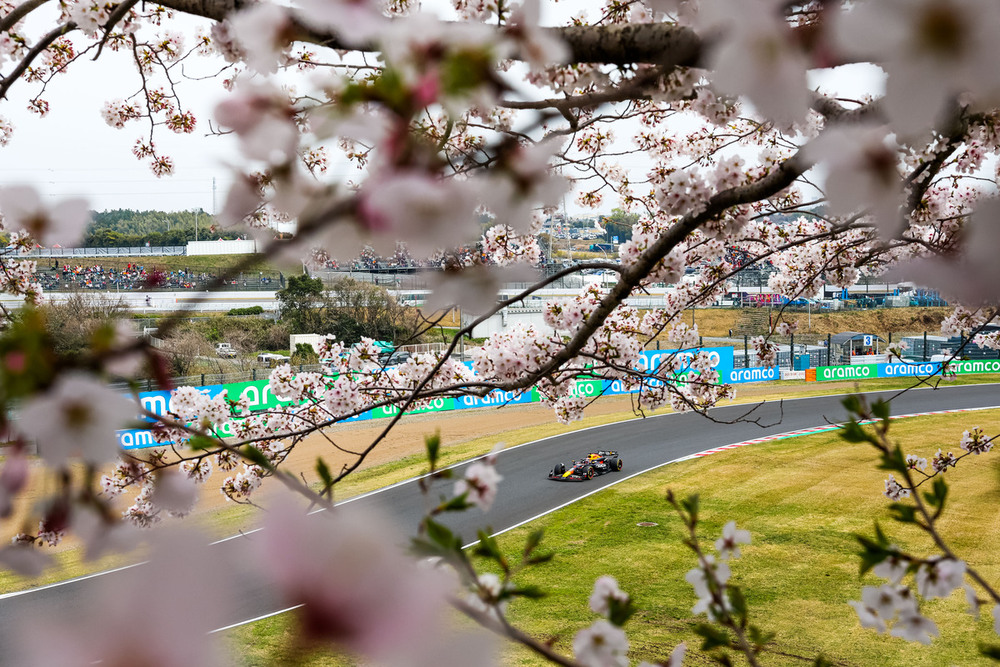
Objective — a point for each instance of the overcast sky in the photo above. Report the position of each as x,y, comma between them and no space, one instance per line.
74,152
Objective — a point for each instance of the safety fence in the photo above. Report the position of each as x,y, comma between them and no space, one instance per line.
259,396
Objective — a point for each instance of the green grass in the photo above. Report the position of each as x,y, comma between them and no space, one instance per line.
802,498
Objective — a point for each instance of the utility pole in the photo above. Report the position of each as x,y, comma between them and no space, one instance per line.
196,211
214,211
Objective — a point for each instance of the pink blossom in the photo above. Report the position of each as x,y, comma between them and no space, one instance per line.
605,590
261,116
758,57
422,210
862,166
728,544
355,587
263,33
62,223
601,645
159,612
537,47
931,50
76,418
480,482
356,22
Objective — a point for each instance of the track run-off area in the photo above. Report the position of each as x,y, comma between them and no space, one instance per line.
526,493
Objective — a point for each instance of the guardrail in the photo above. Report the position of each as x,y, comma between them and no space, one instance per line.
134,251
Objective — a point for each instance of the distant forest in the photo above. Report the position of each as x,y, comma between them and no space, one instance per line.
125,227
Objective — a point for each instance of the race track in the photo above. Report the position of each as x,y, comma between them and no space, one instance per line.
525,491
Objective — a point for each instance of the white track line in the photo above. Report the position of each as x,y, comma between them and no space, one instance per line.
533,442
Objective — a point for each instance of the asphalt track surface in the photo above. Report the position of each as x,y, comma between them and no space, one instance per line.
525,492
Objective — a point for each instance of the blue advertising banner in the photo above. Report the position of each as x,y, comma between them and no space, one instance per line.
755,374
900,369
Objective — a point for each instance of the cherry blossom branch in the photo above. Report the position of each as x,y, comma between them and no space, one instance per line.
19,12
22,66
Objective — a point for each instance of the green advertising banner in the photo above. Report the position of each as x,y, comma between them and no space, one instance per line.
975,366
853,372
438,404
258,394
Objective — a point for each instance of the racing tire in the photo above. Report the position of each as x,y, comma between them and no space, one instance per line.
589,472
616,464
559,469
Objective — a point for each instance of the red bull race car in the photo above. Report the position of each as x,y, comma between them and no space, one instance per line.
596,463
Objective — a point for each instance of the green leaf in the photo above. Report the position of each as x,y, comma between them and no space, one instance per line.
433,445
441,535
690,505
871,554
713,637
880,536
488,548
903,513
940,490
739,603
853,404
852,432
619,612
324,473
880,409
538,559
200,443
534,539
530,592
759,637
456,504
893,460
255,456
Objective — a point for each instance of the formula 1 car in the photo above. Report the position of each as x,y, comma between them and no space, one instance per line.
596,463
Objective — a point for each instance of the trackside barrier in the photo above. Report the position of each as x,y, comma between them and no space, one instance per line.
258,395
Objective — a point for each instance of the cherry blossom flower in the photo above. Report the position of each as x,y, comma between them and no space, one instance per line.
61,224
537,47
862,173
425,212
915,628
261,116
480,483
356,22
605,590
76,418
942,461
263,31
354,586
939,577
728,544
869,617
13,478
973,601
22,557
892,568
975,441
161,625
914,462
473,288
601,645
894,491
101,535
758,57
931,50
